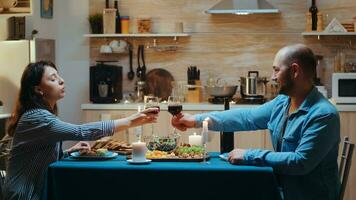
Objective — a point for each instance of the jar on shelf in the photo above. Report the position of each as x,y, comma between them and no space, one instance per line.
125,24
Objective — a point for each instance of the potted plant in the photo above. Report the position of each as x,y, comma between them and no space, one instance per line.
96,23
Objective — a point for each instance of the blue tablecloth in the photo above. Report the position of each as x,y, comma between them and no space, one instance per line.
117,179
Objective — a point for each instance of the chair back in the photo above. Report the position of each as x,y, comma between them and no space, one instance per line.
345,164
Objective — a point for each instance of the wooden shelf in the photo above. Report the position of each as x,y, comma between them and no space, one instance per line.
314,33
138,35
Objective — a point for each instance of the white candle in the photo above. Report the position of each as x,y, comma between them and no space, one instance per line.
195,140
139,150
205,130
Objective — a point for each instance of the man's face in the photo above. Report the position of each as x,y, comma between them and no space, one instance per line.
282,75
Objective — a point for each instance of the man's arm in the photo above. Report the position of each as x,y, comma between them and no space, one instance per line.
245,119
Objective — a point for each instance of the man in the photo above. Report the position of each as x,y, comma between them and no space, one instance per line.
304,127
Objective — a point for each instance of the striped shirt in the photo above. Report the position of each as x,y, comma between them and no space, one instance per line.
36,144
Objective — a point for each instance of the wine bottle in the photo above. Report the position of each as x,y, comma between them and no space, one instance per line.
314,12
107,4
117,19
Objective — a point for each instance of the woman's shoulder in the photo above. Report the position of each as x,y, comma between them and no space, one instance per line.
37,114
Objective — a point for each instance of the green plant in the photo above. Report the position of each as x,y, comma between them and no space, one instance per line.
96,23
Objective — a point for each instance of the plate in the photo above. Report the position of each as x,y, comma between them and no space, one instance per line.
224,157
138,163
108,155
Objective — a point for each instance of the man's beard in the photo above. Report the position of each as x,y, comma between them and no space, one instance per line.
287,87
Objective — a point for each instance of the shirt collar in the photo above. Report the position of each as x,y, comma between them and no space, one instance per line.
308,101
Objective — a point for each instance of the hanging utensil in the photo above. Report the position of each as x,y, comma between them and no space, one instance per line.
131,73
143,68
138,71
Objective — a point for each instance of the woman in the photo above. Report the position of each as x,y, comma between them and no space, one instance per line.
37,131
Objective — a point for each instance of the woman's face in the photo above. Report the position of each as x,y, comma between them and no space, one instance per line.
51,86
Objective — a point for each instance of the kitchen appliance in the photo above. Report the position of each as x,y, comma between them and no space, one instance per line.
242,7
344,88
105,83
253,87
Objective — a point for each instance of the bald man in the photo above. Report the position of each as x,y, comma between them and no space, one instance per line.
304,128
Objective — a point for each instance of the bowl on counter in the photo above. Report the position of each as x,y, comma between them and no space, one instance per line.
221,91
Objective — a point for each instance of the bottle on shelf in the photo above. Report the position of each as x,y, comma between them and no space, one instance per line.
314,12
107,5
118,18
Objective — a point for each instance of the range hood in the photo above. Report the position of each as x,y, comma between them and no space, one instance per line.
242,7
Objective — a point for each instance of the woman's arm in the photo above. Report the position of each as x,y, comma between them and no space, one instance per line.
42,126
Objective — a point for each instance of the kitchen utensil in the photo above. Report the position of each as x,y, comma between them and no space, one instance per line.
221,91
143,68
131,73
138,71
253,86
159,83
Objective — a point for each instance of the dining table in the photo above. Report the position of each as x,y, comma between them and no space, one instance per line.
72,178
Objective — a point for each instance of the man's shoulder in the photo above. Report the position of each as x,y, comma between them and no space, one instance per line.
324,107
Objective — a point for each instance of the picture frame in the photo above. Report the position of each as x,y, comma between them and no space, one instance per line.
47,9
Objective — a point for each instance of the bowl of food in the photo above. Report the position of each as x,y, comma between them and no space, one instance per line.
162,143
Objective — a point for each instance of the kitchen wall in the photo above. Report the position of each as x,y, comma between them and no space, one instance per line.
67,27
227,45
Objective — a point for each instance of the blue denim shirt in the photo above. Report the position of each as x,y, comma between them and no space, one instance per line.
307,164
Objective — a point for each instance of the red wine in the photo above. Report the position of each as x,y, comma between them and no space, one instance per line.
175,109
155,111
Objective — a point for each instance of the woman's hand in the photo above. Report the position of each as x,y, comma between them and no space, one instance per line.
146,116
80,146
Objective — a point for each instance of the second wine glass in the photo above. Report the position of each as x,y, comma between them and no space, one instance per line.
174,107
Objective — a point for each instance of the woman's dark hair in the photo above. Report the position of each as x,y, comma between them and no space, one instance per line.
28,98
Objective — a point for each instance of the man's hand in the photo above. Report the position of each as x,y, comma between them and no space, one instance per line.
183,121
80,146
236,156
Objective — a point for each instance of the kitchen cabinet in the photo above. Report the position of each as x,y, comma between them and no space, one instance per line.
22,8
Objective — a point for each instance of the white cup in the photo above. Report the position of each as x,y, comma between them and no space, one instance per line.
7,4
103,89
139,150
105,49
118,46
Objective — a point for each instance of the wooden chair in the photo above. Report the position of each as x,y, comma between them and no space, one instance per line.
345,164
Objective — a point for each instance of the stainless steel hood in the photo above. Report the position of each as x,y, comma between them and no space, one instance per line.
242,7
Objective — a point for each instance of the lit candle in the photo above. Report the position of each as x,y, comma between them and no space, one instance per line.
205,130
195,140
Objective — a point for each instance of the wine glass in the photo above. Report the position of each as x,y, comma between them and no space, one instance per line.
152,102
174,107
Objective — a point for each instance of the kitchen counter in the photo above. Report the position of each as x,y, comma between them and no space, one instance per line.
205,106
